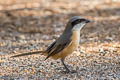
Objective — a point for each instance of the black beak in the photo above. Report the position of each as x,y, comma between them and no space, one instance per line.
87,21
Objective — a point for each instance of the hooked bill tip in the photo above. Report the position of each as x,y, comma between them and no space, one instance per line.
87,21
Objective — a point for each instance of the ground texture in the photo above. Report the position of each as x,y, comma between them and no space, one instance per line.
97,57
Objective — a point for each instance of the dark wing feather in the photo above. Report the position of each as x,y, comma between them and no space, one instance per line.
50,47
57,48
63,41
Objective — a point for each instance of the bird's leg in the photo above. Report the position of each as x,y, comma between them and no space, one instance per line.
67,70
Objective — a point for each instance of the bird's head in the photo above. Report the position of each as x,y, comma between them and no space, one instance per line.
77,22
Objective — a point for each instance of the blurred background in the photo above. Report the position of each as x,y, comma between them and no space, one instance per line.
27,25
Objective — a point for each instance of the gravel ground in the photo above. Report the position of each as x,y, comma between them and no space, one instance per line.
97,57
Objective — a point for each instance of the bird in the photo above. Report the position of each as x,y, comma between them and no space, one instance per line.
65,44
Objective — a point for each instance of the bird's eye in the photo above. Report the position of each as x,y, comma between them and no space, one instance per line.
81,20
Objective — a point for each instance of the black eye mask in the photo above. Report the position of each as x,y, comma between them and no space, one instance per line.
77,21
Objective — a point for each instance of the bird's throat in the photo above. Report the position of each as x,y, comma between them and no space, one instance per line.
78,27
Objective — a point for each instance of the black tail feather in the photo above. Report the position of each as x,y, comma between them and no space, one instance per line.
29,53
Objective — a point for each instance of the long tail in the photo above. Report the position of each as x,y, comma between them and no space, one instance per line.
29,53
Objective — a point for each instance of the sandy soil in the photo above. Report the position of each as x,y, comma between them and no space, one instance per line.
97,58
